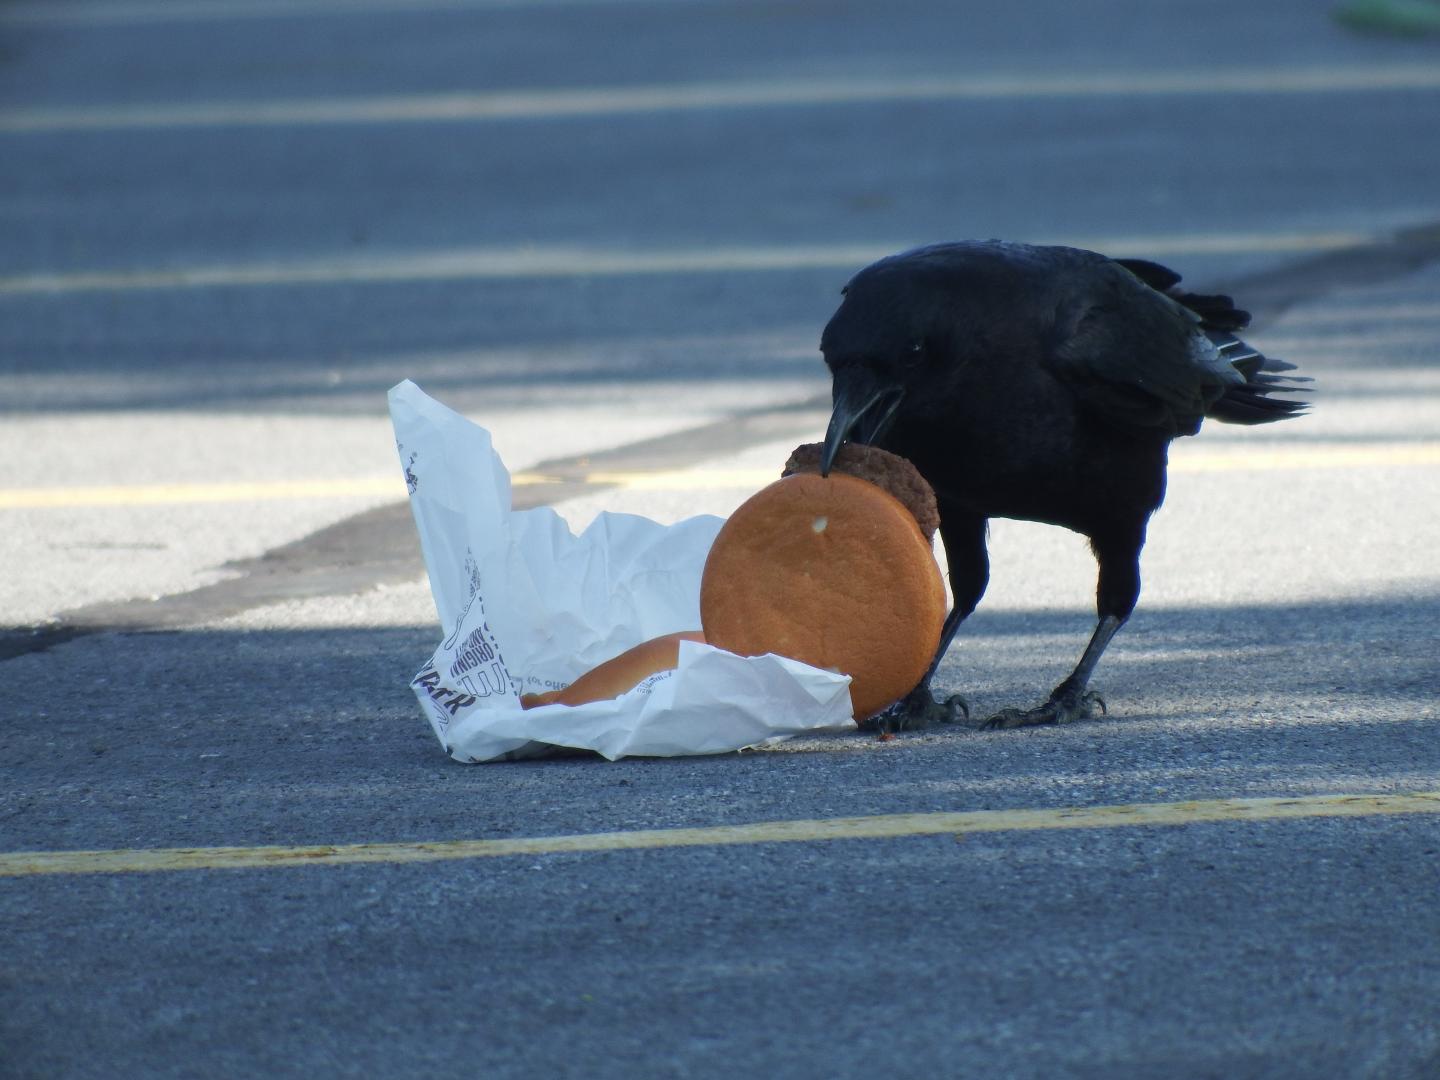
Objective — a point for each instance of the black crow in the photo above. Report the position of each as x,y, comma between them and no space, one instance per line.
1041,383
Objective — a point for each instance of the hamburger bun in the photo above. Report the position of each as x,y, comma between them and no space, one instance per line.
833,572
618,674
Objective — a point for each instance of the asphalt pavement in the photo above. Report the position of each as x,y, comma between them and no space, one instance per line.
610,232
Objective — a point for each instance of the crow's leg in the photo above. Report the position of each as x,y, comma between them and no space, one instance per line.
1115,596
1070,700
964,538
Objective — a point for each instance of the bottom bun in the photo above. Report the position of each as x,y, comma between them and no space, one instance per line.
618,674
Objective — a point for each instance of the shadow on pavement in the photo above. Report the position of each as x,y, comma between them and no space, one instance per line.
291,736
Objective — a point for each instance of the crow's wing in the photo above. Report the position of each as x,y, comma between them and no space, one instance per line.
1133,354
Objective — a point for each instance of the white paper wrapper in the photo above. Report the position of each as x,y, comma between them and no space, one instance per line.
527,606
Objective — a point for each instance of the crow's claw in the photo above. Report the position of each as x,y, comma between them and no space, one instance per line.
918,709
1063,709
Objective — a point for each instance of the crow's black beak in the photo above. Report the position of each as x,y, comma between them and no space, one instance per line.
860,414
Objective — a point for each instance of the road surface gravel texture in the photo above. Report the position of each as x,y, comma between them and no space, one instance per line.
610,231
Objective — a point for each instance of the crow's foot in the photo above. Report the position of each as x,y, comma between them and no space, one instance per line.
1060,709
918,709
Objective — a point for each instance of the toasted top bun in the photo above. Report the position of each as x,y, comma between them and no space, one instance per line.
833,572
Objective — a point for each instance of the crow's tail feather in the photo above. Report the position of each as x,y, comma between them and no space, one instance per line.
1250,402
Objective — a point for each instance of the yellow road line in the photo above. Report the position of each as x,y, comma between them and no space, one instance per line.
159,494
51,498
672,97
878,827
467,264
1265,458
1259,459
1256,459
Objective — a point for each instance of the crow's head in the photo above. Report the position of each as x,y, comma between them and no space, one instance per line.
884,347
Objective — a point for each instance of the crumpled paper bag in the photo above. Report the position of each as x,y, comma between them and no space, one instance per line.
527,606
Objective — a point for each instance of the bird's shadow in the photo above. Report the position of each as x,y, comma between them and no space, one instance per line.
1381,648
